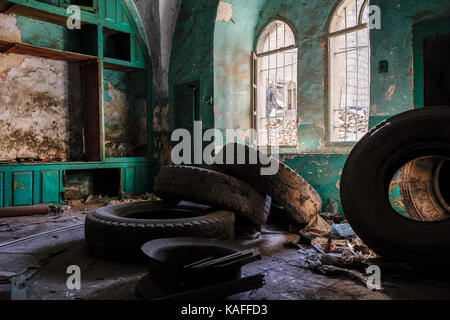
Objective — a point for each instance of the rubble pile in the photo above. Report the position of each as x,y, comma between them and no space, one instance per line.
329,246
281,130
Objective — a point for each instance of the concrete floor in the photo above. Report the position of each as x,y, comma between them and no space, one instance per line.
45,261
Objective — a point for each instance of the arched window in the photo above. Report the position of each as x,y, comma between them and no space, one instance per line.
349,71
275,86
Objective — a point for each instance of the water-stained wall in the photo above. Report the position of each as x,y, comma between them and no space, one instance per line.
125,114
40,104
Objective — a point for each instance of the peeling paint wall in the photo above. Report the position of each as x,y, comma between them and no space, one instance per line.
40,99
393,92
233,44
125,114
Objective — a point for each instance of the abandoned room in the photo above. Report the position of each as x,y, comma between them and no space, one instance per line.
224,149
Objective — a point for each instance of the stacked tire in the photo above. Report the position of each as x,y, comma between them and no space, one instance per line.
229,195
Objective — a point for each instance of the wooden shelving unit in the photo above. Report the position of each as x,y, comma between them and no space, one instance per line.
7,46
7,7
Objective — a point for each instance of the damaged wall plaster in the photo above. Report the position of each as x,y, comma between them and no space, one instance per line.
40,114
125,116
8,29
40,99
224,12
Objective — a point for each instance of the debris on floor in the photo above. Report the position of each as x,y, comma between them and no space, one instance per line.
332,249
125,198
318,227
343,230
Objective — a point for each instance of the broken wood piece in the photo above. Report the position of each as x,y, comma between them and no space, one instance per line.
24,211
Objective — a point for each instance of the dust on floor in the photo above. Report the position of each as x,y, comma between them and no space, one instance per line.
45,261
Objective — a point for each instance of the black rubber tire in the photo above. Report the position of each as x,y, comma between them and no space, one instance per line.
110,233
368,173
213,188
419,188
300,200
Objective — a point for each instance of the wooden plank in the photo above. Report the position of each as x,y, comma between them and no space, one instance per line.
6,6
120,67
7,46
92,103
4,47
37,14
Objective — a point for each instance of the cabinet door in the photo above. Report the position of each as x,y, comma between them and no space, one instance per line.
128,180
50,186
1,189
22,188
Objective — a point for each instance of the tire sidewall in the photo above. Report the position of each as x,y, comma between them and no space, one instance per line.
367,176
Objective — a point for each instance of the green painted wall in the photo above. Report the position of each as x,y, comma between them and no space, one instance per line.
192,53
394,43
226,61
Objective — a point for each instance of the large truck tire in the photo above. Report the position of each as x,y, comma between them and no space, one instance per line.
119,231
287,188
367,176
422,186
212,188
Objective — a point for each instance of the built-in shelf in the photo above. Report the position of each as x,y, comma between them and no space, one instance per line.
8,7
7,46
119,65
117,45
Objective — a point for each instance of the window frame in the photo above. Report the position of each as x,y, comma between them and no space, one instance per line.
327,38
254,85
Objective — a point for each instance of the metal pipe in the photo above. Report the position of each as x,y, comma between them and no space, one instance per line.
3,245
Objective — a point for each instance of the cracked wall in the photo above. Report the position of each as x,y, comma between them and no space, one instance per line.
125,114
40,114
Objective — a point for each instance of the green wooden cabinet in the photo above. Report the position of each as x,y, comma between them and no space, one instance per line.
23,185
22,188
50,186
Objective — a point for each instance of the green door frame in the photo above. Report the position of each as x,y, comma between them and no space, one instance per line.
421,32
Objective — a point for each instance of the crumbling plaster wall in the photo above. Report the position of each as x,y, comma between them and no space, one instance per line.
125,114
40,99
